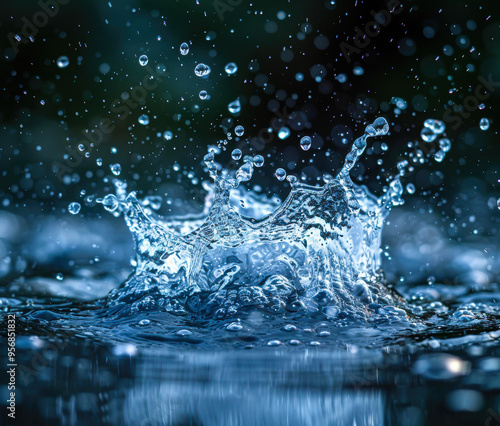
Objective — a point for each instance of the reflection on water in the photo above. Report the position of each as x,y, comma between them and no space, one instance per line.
70,384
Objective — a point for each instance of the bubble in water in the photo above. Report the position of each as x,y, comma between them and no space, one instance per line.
410,188
144,120
234,107
498,203
283,133
305,143
239,130
116,169
62,61
74,208
258,161
99,162
203,95
202,70
436,126
236,154
143,60
428,135
168,135
484,124
184,49
231,68
110,202
445,144
280,174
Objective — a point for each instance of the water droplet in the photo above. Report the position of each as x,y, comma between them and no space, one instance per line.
280,174
305,143
143,60
202,70
439,156
358,71
283,133
60,276
245,172
236,154
445,144
234,326
184,49
437,126
484,124
144,120
62,61
110,202
258,161
498,203
99,162
428,135
380,126
203,95
184,333
410,188
116,169
168,135
74,208
231,68
144,322
240,130
342,78
234,107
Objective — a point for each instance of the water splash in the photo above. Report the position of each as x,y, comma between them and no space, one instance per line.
319,251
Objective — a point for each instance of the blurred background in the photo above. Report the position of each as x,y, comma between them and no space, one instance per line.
293,79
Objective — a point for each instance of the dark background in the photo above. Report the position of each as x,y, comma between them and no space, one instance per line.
44,108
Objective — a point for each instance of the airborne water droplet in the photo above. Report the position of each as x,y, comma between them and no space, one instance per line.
305,143
143,60
62,61
410,188
236,154
231,68
258,161
202,70
184,49
116,169
144,120
168,135
436,126
234,107
428,135
445,144
239,130
280,174
484,124
74,208
283,133
110,202
203,95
